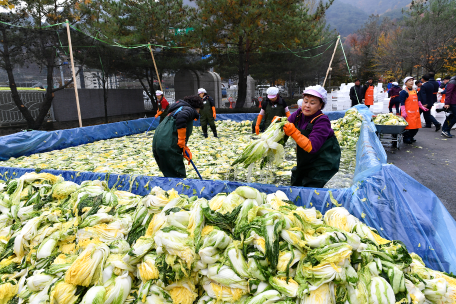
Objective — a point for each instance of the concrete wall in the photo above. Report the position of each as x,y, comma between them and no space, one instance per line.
120,102
187,82
250,91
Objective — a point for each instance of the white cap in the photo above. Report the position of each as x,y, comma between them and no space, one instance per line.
272,92
317,91
201,90
408,78
395,83
300,102
439,78
158,93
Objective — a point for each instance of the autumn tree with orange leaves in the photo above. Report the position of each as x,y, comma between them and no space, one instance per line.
423,41
243,27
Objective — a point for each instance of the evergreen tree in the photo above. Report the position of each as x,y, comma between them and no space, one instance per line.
245,27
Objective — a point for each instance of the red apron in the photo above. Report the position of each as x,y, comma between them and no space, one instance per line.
369,96
413,111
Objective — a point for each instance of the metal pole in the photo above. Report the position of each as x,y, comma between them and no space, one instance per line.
330,63
74,73
156,70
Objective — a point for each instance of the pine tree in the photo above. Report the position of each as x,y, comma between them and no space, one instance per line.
245,27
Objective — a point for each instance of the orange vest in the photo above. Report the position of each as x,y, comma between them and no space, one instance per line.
369,96
413,111
443,98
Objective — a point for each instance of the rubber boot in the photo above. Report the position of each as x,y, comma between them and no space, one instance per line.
214,130
204,128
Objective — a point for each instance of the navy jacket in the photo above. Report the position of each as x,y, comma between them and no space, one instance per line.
427,94
420,95
436,87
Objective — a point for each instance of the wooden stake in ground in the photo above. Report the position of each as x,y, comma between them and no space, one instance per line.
330,63
74,73
156,70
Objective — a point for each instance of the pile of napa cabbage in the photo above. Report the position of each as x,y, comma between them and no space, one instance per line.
390,120
66,243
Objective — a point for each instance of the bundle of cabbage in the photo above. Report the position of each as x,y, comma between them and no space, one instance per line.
390,120
268,148
65,243
348,128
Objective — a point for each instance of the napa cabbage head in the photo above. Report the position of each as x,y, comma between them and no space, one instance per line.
64,189
286,286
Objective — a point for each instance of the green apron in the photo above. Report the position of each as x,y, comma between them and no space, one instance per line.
167,153
206,115
315,170
269,115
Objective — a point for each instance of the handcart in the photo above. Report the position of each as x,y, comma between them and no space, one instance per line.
390,134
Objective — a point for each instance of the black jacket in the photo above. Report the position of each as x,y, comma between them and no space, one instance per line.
279,102
211,100
184,115
356,97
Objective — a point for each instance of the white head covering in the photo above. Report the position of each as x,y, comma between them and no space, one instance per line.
300,102
439,79
158,93
201,90
272,92
317,91
395,83
408,78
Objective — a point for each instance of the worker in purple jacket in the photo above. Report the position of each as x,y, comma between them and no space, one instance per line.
318,151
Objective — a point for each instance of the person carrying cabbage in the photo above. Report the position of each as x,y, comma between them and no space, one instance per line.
318,151
207,115
271,107
170,140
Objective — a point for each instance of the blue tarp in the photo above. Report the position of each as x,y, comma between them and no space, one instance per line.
383,196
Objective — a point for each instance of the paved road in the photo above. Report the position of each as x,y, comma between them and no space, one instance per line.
431,160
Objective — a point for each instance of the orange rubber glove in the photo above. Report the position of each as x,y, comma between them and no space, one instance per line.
213,112
181,135
287,114
301,140
257,127
189,157
158,114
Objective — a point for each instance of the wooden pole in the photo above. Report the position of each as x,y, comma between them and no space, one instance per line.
156,70
74,73
330,63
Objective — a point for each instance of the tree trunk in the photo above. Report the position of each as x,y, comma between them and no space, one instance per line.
46,105
12,83
242,74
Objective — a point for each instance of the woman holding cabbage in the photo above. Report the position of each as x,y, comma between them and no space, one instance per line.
171,136
318,151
